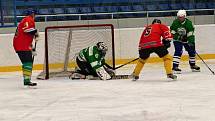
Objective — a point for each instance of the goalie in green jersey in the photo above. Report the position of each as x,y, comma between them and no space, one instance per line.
91,61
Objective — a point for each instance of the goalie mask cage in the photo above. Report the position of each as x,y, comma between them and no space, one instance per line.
63,43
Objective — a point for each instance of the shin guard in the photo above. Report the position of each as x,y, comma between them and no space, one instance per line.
167,63
27,71
139,66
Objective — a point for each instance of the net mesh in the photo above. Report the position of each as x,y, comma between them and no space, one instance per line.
63,43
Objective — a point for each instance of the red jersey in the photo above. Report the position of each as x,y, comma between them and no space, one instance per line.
151,36
22,40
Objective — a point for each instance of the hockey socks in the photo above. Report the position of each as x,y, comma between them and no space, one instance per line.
168,67
193,66
139,66
167,63
27,71
176,61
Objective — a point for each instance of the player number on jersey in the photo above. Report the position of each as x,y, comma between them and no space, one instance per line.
148,31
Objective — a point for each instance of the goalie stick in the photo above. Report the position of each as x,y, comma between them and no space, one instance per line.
97,78
34,49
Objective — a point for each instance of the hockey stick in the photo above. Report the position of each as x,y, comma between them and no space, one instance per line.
126,63
205,63
122,77
34,49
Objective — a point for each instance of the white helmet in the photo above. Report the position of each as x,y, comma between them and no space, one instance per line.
181,13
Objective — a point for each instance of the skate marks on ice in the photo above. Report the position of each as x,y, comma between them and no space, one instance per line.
191,98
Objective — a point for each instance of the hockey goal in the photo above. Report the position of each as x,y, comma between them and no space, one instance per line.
63,43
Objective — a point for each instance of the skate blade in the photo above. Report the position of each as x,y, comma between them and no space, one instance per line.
134,80
193,70
30,87
176,72
171,80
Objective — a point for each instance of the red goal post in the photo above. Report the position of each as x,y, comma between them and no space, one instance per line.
62,44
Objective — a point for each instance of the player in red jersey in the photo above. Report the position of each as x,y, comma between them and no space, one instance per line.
150,42
22,43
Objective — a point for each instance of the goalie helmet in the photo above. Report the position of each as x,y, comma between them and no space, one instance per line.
156,21
102,47
181,13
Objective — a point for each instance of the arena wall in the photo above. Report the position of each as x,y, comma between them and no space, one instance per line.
126,47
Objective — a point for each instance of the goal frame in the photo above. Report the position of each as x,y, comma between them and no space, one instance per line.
75,26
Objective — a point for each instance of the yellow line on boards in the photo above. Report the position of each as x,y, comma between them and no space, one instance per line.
118,62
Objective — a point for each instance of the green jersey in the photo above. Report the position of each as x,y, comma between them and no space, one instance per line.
93,56
183,31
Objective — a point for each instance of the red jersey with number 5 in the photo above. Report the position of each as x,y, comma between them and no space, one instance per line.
22,40
151,36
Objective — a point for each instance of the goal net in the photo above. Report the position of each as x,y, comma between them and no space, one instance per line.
63,43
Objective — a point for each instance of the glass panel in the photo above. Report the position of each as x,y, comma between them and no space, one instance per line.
7,14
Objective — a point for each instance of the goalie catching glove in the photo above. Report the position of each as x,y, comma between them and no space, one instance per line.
103,74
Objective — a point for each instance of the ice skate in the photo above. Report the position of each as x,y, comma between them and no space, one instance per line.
135,78
176,70
195,68
76,75
171,76
32,85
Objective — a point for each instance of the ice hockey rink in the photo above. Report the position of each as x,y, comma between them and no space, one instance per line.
151,98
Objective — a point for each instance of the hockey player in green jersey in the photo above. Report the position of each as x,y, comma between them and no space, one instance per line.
183,35
91,61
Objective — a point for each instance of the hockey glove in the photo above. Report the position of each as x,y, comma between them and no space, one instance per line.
166,43
34,52
103,74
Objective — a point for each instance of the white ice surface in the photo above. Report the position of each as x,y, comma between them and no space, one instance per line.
152,98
